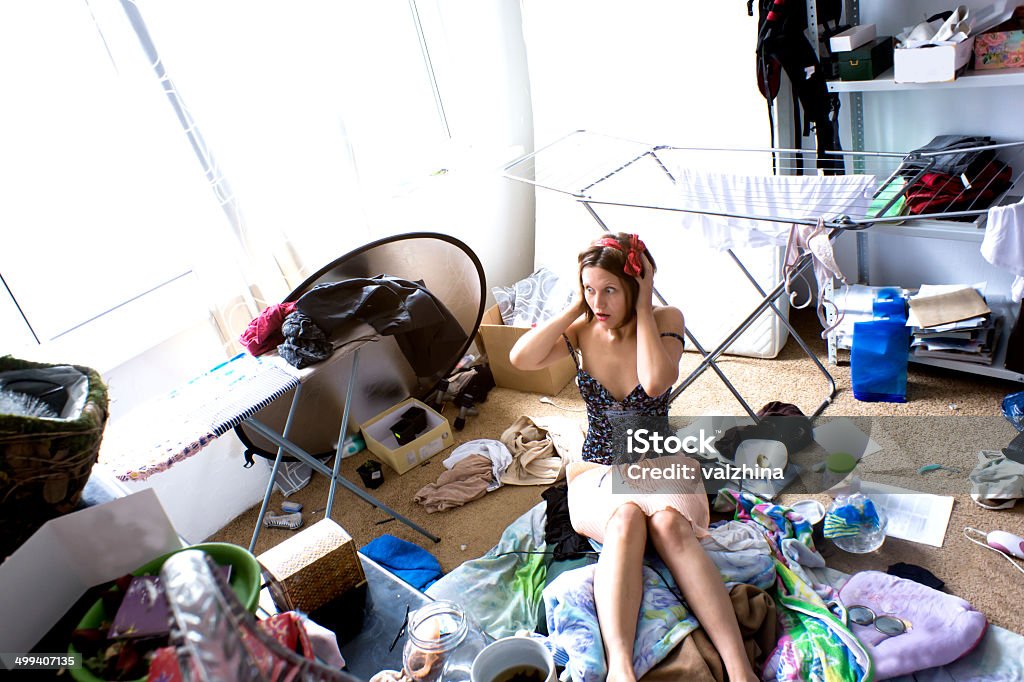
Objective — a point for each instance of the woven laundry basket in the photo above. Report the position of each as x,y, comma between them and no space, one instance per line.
45,463
314,567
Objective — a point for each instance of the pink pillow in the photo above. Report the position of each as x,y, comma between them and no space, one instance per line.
942,627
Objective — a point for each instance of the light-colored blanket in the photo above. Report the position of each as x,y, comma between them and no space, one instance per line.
502,589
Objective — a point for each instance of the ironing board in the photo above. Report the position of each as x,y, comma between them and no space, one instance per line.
232,393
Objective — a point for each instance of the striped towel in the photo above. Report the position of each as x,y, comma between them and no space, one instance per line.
850,519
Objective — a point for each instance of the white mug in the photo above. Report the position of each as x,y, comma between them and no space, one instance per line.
507,653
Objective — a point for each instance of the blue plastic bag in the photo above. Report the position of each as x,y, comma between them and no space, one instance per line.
1013,409
878,361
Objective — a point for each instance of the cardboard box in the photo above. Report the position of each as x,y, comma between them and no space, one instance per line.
852,38
381,442
999,50
497,340
313,567
867,62
936,64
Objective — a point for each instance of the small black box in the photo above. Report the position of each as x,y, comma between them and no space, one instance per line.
417,416
867,62
404,432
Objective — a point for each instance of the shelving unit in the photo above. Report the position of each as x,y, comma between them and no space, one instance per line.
968,232
997,78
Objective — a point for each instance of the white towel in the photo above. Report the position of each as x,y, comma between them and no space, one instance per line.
1003,245
774,201
494,450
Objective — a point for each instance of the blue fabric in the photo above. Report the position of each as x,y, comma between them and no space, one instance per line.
410,562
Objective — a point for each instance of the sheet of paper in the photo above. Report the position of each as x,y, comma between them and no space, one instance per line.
913,516
930,311
68,555
926,290
842,435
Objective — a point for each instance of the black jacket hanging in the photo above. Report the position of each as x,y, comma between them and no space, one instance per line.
782,46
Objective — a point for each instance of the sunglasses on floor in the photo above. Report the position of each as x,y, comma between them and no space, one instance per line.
886,624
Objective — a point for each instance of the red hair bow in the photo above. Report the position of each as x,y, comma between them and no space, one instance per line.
634,257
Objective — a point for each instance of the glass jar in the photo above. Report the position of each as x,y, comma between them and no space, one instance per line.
443,640
864,524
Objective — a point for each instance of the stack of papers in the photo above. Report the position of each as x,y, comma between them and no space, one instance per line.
953,322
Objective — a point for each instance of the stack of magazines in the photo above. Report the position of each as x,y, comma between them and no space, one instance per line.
953,322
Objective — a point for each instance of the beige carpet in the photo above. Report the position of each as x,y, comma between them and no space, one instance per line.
964,411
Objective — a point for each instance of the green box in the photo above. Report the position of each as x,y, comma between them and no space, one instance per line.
867,62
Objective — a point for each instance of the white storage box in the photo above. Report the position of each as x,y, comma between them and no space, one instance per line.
381,442
852,38
937,64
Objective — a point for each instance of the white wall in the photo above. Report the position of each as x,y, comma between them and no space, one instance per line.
479,58
661,72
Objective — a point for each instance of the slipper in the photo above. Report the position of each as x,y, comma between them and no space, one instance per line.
289,521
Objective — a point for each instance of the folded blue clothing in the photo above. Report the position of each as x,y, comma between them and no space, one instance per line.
410,562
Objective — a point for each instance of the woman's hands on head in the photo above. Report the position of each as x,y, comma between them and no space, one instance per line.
645,297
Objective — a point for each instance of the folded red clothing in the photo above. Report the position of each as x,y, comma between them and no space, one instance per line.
938,192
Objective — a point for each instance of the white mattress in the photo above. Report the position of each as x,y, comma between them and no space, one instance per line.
714,294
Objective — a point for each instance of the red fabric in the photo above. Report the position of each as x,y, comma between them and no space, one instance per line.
634,257
286,628
264,333
938,192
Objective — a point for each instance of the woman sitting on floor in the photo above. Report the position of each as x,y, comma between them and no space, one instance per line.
631,352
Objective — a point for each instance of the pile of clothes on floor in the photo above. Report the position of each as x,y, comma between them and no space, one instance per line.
799,619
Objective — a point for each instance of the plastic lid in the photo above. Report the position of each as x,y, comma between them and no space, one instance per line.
841,462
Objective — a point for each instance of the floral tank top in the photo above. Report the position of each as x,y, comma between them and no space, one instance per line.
598,445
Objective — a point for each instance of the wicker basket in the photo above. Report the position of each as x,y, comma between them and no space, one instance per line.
313,567
45,463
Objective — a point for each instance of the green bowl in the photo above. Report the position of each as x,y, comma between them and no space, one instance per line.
246,580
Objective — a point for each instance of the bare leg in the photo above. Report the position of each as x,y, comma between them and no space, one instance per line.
701,584
618,588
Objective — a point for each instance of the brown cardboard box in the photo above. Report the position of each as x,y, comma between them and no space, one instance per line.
381,442
497,340
313,567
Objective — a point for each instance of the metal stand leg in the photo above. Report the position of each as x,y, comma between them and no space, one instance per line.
799,339
297,452
710,358
342,431
273,472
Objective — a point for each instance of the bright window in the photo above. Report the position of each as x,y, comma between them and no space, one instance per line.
113,235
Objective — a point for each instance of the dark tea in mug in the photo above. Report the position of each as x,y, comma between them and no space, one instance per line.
521,673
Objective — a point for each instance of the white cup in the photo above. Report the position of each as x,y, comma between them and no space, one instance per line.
507,653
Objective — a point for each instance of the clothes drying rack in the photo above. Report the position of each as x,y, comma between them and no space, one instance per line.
734,194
